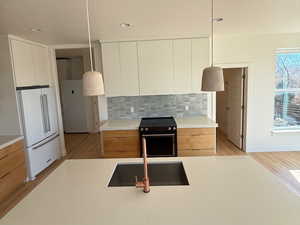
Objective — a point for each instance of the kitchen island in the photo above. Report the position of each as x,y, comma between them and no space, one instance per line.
223,190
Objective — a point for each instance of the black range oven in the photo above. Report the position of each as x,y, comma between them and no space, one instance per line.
161,136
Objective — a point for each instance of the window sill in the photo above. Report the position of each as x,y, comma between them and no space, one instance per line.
285,131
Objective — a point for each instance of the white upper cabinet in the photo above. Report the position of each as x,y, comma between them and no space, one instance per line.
200,60
120,69
41,62
31,63
111,69
156,67
23,63
129,68
182,56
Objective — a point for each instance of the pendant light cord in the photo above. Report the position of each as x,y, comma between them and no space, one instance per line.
212,33
89,33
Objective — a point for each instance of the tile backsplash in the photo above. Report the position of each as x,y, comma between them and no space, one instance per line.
136,107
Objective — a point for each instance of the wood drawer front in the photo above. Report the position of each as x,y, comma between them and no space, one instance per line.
196,142
120,133
121,144
196,131
10,161
11,181
19,145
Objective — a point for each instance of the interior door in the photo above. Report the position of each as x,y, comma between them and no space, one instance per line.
32,116
74,115
234,83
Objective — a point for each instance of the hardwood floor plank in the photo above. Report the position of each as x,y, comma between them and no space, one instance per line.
83,146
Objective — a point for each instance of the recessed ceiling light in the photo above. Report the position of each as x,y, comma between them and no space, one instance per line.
125,25
35,30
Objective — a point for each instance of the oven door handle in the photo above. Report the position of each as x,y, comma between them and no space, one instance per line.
158,135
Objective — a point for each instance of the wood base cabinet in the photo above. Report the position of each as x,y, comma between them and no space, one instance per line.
12,169
196,141
120,144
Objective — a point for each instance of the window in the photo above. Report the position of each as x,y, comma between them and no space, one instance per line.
287,93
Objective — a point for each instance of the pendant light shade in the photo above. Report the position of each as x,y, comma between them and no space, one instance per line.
93,84
92,80
212,79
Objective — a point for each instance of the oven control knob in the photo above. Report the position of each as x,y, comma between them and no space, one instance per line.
142,129
169,128
174,128
146,129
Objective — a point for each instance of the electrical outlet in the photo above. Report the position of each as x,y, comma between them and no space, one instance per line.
132,109
187,108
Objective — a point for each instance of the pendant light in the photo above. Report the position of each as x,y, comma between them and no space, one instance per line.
212,79
92,80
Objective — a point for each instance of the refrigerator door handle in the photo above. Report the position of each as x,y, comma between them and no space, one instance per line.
43,113
47,113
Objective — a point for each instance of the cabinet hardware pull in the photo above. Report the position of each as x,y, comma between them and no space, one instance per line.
5,175
4,157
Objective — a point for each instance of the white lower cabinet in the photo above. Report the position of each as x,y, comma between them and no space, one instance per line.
154,67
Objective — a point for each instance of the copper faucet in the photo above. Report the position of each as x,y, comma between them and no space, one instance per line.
145,184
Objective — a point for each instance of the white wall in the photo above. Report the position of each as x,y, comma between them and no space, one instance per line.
258,52
9,119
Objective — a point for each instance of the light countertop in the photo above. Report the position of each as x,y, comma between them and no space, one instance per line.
195,122
187,122
121,125
8,140
223,190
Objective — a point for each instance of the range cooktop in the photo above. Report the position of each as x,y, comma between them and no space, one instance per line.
157,122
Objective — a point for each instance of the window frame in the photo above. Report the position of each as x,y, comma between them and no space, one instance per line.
284,90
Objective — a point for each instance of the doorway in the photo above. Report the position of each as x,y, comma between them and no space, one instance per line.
231,105
79,113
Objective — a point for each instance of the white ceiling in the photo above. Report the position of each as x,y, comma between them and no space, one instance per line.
63,21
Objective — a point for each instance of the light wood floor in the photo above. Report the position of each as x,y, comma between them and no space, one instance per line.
285,165
83,146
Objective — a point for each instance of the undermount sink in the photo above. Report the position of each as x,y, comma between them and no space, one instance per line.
160,174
